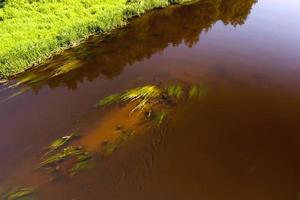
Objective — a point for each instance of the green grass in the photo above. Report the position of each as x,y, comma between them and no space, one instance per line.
33,30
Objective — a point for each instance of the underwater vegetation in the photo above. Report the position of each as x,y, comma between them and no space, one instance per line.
82,162
147,97
66,158
174,91
18,194
109,148
109,100
64,154
60,142
147,92
196,91
154,101
56,155
141,96
160,117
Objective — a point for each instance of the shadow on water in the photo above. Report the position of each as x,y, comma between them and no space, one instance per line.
109,55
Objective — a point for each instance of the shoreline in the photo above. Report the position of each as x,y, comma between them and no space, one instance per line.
12,64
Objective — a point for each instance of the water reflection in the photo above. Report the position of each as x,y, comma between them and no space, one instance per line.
140,40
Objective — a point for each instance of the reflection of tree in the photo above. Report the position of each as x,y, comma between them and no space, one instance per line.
235,12
140,40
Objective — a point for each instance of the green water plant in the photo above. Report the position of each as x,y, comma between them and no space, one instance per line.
147,92
110,147
18,194
142,96
160,117
78,156
148,96
60,156
63,69
174,91
79,166
197,91
153,99
193,91
56,144
109,100
83,161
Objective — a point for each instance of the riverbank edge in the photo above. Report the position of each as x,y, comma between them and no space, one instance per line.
6,76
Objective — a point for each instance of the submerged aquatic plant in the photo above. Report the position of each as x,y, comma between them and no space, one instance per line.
60,142
141,95
196,91
174,91
83,162
18,194
79,166
65,153
109,100
110,147
145,93
74,64
51,162
193,91
160,117
150,95
28,79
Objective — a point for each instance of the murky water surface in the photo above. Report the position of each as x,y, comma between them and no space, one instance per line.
240,140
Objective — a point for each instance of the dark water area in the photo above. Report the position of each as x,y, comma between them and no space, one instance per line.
240,140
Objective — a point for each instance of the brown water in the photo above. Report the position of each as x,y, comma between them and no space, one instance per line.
238,141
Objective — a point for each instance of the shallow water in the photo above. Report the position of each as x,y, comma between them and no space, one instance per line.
238,141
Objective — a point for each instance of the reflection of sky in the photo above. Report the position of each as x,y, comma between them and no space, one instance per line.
271,32
281,19
266,46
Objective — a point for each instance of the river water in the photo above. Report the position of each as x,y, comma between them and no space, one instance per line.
239,140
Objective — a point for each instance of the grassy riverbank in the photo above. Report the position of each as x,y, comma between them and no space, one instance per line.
33,30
